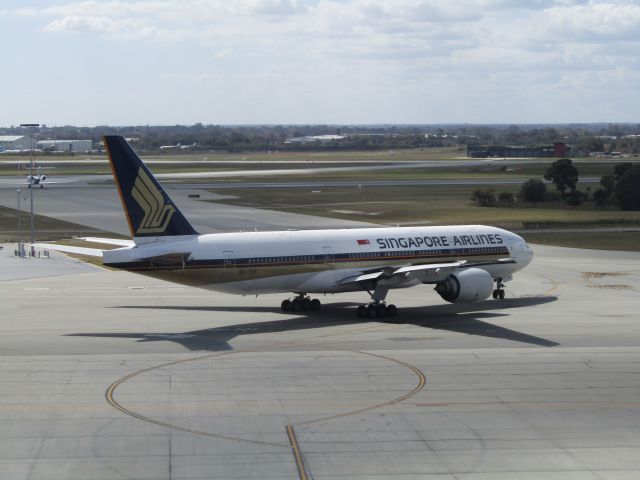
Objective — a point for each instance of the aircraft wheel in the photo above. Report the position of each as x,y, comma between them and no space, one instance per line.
296,305
372,312
286,305
392,310
495,294
361,311
381,311
41,186
315,305
500,294
306,304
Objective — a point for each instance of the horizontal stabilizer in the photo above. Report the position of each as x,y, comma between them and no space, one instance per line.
108,241
90,252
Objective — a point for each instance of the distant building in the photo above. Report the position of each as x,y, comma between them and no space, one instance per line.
65,145
488,151
14,142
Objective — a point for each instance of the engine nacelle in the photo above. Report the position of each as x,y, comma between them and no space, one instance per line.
468,285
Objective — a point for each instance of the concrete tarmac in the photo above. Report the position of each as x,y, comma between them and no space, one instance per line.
110,375
99,207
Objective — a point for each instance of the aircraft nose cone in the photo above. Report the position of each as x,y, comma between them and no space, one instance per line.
528,253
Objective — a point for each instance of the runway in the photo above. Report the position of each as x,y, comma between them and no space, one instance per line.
92,200
98,206
108,375
82,201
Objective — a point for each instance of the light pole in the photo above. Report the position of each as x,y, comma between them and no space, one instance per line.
19,227
31,126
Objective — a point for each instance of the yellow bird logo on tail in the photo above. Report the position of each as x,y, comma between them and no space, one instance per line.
157,214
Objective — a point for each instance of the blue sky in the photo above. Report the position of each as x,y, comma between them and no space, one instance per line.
323,61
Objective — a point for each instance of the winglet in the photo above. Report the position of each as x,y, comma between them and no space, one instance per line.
149,210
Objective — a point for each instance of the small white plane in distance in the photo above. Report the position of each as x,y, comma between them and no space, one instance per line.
33,180
177,146
462,262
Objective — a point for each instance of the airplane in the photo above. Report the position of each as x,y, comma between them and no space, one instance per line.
177,146
33,180
462,263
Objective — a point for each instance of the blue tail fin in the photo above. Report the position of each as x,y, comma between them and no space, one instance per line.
150,212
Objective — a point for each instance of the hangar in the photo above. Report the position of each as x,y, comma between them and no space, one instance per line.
14,142
65,145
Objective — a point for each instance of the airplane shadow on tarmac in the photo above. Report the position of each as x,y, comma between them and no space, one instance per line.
450,317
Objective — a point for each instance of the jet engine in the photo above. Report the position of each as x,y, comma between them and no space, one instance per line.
466,286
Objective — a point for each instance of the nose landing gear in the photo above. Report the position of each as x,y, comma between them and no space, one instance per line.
498,293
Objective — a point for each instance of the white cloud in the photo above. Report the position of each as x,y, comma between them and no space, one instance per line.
605,21
77,24
399,51
356,29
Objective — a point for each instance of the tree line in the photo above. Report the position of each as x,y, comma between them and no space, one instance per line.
583,138
620,189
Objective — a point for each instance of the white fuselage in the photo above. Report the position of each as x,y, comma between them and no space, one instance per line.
317,261
36,179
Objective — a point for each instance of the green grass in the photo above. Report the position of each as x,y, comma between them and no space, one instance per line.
286,158
279,160
46,228
425,173
407,205
444,205
627,241
404,205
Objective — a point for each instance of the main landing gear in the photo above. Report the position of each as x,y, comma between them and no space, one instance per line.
498,293
377,309
301,303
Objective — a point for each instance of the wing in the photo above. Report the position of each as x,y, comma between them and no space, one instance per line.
434,272
500,261
426,273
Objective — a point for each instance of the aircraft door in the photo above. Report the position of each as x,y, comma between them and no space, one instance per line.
229,259
327,253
